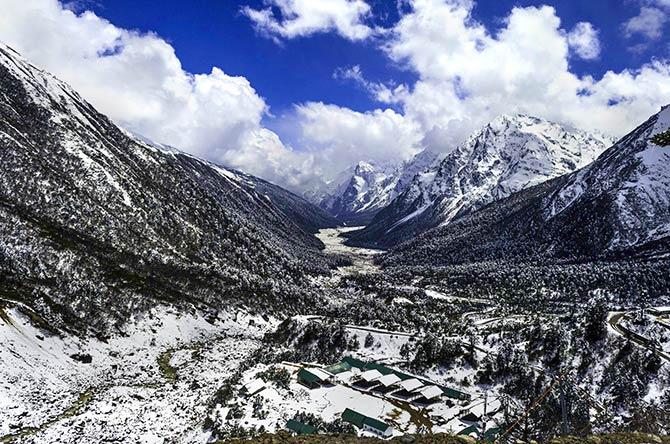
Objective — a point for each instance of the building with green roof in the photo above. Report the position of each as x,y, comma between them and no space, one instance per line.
469,430
491,434
367,423
353,362
308,379
363,366
338,368
300,428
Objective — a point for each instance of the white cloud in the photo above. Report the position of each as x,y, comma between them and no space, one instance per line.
379,91
648,23
583,39
341,137
300,18
139,82
466,76
469,75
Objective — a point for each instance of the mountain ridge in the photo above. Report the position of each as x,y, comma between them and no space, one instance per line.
96,225
368,187
507,155
618,206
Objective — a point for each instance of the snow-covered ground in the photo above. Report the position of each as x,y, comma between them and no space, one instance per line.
123,394
282,404
362,258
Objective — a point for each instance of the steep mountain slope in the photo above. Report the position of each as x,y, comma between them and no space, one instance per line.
509,154
368,187
96,225
617,206
306,215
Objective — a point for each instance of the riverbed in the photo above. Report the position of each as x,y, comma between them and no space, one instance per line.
362,258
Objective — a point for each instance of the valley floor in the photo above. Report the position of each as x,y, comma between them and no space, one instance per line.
192,377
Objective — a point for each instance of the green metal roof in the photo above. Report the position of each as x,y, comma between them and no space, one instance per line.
338,368
376,424
468,430
300,428
491,434
353,362
359,420
380,368
353,417
455,394
308,376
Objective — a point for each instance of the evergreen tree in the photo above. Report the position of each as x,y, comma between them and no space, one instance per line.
662,139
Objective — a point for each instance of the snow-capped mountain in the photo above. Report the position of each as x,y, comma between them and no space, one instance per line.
367,187
509,154
96,224
619,205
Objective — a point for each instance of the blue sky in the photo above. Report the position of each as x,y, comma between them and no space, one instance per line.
208,33
296,91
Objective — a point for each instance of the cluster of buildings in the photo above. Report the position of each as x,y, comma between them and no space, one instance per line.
379,380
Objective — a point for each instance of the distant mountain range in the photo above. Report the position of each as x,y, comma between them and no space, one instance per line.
618,206
96,224
367,187
508,155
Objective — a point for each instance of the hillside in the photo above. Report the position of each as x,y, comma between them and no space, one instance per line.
96,225
617,206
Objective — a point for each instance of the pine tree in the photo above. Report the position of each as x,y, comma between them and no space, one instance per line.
662,139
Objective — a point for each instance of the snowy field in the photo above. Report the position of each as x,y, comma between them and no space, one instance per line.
123,394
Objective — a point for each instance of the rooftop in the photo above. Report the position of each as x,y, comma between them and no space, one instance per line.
410,384
300,428
371,375
388,380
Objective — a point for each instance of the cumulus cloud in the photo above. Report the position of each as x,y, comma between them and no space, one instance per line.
138,80
344,136
469,75
466,73
648,23
300,18
583,39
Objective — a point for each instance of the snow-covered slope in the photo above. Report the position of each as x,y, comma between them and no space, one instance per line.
509,154
619,205
635,177
367,187
96,224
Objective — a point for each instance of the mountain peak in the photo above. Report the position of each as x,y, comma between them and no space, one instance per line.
511,153
617,206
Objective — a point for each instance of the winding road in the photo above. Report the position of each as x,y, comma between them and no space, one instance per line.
615,323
